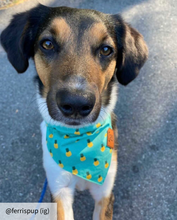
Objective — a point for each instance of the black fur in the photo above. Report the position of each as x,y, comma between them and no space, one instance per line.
18,38
39,83
132,51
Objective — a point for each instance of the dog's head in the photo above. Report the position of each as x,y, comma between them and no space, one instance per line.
78,55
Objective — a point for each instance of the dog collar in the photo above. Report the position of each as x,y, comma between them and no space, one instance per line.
84,152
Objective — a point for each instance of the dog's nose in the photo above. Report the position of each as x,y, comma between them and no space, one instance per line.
71,104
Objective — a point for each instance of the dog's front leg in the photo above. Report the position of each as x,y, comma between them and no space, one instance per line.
61,182
104,208
64,201
103,196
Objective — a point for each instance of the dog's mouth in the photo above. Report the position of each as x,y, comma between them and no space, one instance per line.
74,123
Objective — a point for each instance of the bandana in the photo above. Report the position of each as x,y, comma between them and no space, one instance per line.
84,152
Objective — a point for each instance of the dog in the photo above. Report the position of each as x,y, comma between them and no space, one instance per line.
79,55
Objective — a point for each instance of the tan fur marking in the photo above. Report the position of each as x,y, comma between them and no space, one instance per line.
96,34
61,29
114,155
106,204
110,70
60,209
99,31
42,69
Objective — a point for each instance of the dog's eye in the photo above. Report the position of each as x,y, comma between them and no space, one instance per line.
47,44
106,51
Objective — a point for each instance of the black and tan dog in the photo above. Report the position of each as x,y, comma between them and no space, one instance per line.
78,54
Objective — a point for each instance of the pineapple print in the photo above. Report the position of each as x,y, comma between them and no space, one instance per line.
106,164
77,132
89,143
51,154
100,178
98,125
55,144
60,164
110,151
89,133
74,171
102,148
89,176
82,158
68,152
96,162
66,136
51,136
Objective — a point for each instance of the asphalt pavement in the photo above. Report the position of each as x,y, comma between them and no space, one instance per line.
146,184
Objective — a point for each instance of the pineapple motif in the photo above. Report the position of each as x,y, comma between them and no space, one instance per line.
68,152
60,164
55,144
98,125
51,136
74,171
100,178
89,176
77,132
96,162
51,154
102,148
106,164
82,158
89,133
89,143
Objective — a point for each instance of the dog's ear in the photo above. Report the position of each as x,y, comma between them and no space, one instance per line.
132,51
19,37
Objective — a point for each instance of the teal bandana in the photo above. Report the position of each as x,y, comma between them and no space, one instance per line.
82,152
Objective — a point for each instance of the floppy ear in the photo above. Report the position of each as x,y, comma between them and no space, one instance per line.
19,37
132,51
